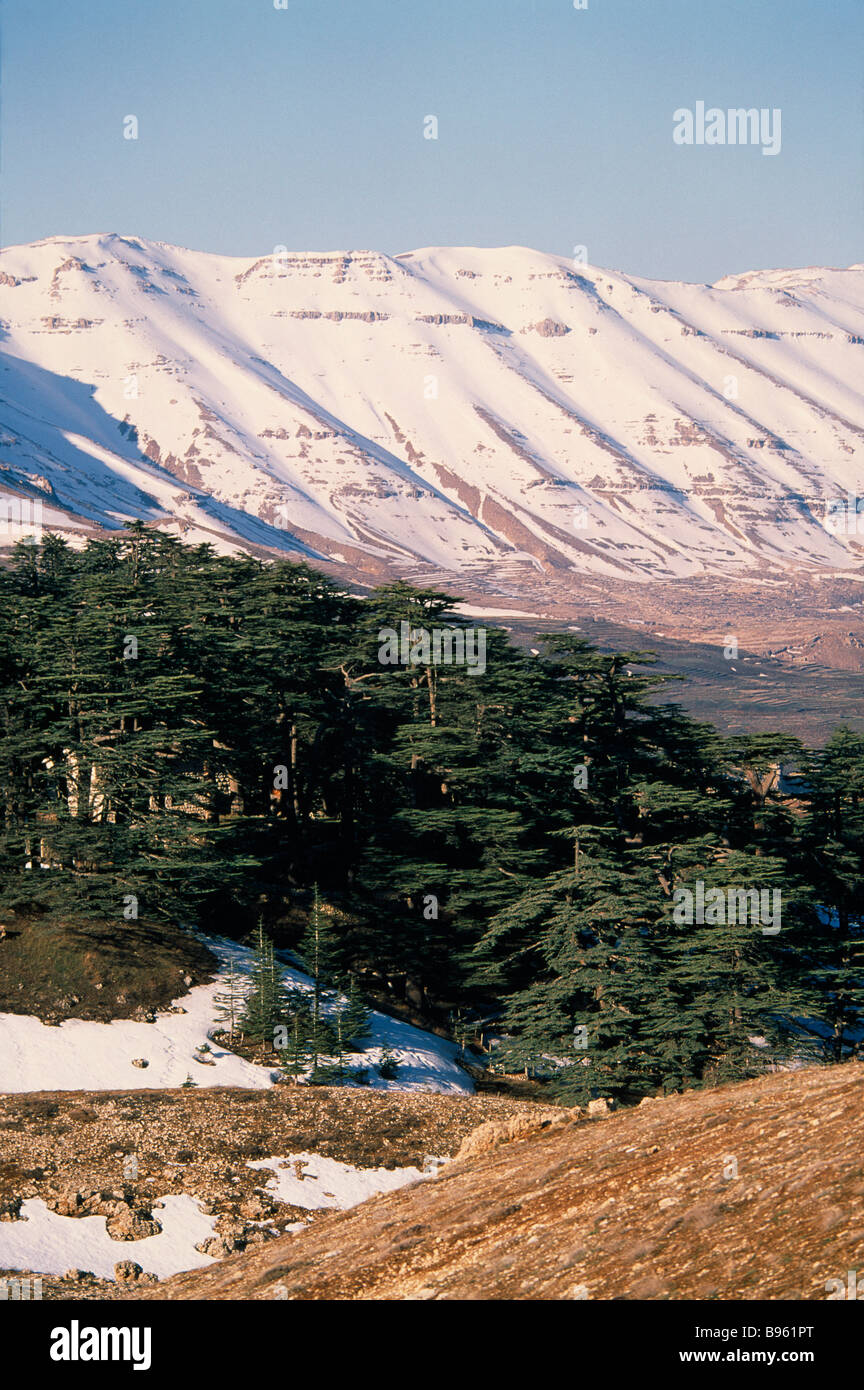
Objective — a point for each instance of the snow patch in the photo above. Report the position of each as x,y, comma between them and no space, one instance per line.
47,1243
316,1183
80,1055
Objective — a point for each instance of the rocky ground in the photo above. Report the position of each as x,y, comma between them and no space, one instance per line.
751,1191
112,1153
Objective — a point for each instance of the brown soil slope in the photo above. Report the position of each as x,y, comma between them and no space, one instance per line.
635,1205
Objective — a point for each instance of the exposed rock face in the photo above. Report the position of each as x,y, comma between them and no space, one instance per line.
219,1246
550,328
496,1132
10,1208
124,1223
597,1109
487,412
642,1204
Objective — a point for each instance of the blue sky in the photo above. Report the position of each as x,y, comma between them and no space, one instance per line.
304,127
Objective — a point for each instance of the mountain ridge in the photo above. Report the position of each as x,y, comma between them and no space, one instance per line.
475,411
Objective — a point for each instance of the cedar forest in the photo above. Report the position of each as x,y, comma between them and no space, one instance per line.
214,739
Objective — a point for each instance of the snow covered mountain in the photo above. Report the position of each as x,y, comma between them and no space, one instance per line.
474,411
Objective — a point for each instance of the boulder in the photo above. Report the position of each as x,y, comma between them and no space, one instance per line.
598,1108
496,1132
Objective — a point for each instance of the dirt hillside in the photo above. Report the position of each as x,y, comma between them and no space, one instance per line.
643,1204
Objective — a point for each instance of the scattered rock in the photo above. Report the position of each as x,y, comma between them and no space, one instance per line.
254,1209
69,1203
550,328
598,1108
126,1224
217,1247
261,1236
10,1209
535,1220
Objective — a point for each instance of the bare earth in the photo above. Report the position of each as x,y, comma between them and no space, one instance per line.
631,1206
73,1149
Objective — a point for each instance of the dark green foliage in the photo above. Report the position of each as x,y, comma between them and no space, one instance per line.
388,1067
266,1004
231,1000
353,1017
202,739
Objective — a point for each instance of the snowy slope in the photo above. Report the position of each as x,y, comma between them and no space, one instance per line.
87,1056
449,407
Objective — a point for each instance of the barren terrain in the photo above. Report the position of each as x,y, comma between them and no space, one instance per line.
643,1204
